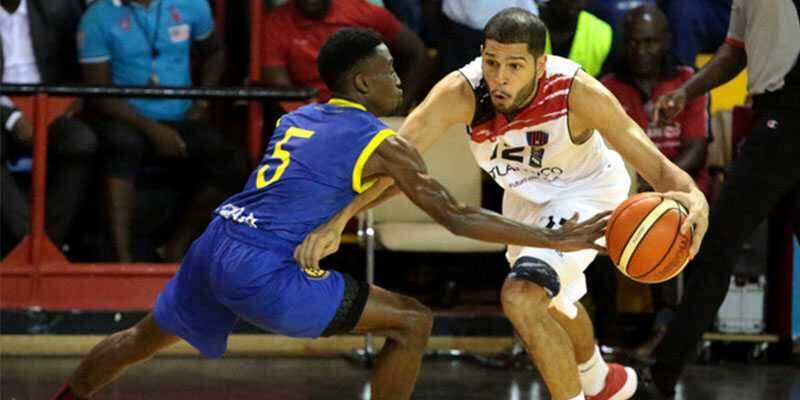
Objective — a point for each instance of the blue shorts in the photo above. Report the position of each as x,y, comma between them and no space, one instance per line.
224,277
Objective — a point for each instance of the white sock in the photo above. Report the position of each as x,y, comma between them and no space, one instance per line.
593,373
578,397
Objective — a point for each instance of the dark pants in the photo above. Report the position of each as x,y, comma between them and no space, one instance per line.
211,160
71,149
213,170
766,170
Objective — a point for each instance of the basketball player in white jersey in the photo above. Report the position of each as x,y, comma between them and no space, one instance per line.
539,126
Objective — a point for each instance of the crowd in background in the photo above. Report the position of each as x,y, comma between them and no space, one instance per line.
137,179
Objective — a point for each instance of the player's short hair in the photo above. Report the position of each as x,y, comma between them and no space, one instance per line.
517,25
344,51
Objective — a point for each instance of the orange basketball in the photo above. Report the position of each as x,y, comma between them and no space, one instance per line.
644,239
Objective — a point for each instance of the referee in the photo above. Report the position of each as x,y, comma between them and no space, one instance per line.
763,35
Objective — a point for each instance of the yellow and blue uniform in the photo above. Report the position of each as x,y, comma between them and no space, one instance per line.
242,266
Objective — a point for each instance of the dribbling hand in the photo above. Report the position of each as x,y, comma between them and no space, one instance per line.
696,223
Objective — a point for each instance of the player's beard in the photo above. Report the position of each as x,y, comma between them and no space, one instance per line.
524,96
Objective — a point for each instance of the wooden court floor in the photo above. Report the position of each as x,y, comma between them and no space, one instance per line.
318,378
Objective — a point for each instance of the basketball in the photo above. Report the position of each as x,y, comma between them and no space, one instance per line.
644,239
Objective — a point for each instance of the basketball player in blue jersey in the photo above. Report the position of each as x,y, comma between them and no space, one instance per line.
320,157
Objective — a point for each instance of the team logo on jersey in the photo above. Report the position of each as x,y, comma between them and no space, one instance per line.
537,138
316,273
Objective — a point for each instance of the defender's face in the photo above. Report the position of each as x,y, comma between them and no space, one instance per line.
384,92
511,73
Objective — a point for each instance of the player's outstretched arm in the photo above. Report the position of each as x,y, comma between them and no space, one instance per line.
400,160
594,107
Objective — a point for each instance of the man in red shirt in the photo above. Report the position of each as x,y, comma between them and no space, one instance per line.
648,71
295,31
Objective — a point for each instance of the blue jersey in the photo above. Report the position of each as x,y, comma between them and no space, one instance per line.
311,170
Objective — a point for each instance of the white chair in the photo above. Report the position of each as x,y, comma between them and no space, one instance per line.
399,225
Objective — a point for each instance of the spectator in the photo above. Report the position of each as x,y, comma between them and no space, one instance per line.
409,12
294,33
614,11
762,37
697,26
36,49
646,71
575,34
462,24
146,42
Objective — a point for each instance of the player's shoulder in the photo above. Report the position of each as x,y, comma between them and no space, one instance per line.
350,116
560,66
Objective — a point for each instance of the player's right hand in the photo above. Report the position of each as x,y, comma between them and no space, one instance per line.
318,244
669,105
574,235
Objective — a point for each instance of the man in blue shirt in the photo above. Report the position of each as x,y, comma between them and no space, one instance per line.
148,42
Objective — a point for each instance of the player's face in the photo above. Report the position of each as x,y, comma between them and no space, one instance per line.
645,46
383,85
511,73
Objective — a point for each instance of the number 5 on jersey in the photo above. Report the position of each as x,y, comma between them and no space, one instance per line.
282,155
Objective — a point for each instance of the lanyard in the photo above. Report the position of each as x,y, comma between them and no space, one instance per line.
151,42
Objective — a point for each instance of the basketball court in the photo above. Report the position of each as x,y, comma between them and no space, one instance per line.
309,378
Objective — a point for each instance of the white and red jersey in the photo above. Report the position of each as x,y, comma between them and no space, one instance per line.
533,155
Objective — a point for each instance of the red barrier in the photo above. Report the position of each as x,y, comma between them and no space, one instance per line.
255,139
36,274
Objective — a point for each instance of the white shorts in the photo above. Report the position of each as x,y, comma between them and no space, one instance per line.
603,195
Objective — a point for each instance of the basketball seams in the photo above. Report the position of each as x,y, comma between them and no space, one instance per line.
669,248
616,216
653,215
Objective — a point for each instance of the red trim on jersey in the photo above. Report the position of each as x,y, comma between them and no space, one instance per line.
549,103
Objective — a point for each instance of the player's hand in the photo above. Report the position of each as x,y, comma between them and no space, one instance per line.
167,141
318,244
669,105
696,223
574,235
